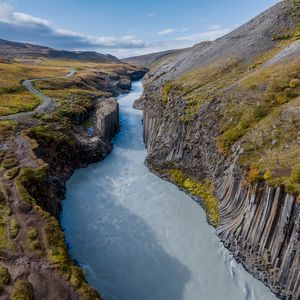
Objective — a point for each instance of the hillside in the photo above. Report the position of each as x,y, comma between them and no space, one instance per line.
152,58
40,146
15,50
221,120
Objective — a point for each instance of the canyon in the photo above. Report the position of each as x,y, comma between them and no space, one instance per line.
211,122
139,237
220,120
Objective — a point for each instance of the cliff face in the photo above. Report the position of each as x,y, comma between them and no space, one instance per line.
212,113
259,224
107,115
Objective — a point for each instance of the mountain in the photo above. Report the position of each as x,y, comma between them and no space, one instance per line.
12,50
151,58
221,120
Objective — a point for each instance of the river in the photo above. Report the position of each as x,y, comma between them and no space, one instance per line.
139,237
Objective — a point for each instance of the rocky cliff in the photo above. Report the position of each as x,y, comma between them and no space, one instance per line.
260,225
224,115
107,115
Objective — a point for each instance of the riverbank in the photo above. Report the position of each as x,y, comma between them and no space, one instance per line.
221,120
38,154
139,237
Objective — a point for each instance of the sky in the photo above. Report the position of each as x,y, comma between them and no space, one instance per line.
123,28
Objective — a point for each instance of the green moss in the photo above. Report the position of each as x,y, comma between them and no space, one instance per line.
14,227
22,290
227,139
32,239
11,173
9,163
4,278
77,277
25,179
202,191
7,128
294,83
202,85
55,241
31,233
295,175
35,245
166,90
6,244
259,112
3,194
276,85
177,177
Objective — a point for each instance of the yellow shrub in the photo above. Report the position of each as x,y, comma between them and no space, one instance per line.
267,175
253,174
177,177
204,192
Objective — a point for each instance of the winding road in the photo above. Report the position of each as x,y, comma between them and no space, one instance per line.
47,102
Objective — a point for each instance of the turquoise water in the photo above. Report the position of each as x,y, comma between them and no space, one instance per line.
138,237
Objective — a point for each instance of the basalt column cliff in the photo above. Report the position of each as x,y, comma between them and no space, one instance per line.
221,120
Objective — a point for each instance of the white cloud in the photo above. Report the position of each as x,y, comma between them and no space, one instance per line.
215,27
22,27
152,15
20,18
26,28
166,31
212,34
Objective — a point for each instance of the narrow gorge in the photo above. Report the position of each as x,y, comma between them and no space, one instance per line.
223,116
168,175
139,237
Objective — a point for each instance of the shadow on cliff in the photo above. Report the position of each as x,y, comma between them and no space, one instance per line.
118,249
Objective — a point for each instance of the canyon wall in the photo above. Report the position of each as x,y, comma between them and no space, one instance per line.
258,223
107,115
187,107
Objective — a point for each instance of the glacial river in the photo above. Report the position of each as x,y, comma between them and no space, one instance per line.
139,237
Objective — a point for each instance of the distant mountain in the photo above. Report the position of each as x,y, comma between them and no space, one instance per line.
149,59
11,50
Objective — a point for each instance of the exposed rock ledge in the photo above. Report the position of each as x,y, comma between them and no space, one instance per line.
107,116
64,157
139,103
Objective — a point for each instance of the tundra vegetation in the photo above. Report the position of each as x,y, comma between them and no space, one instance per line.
259,108
26,177
202,190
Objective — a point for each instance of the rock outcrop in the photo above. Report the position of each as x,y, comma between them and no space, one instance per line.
260,225
107,116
